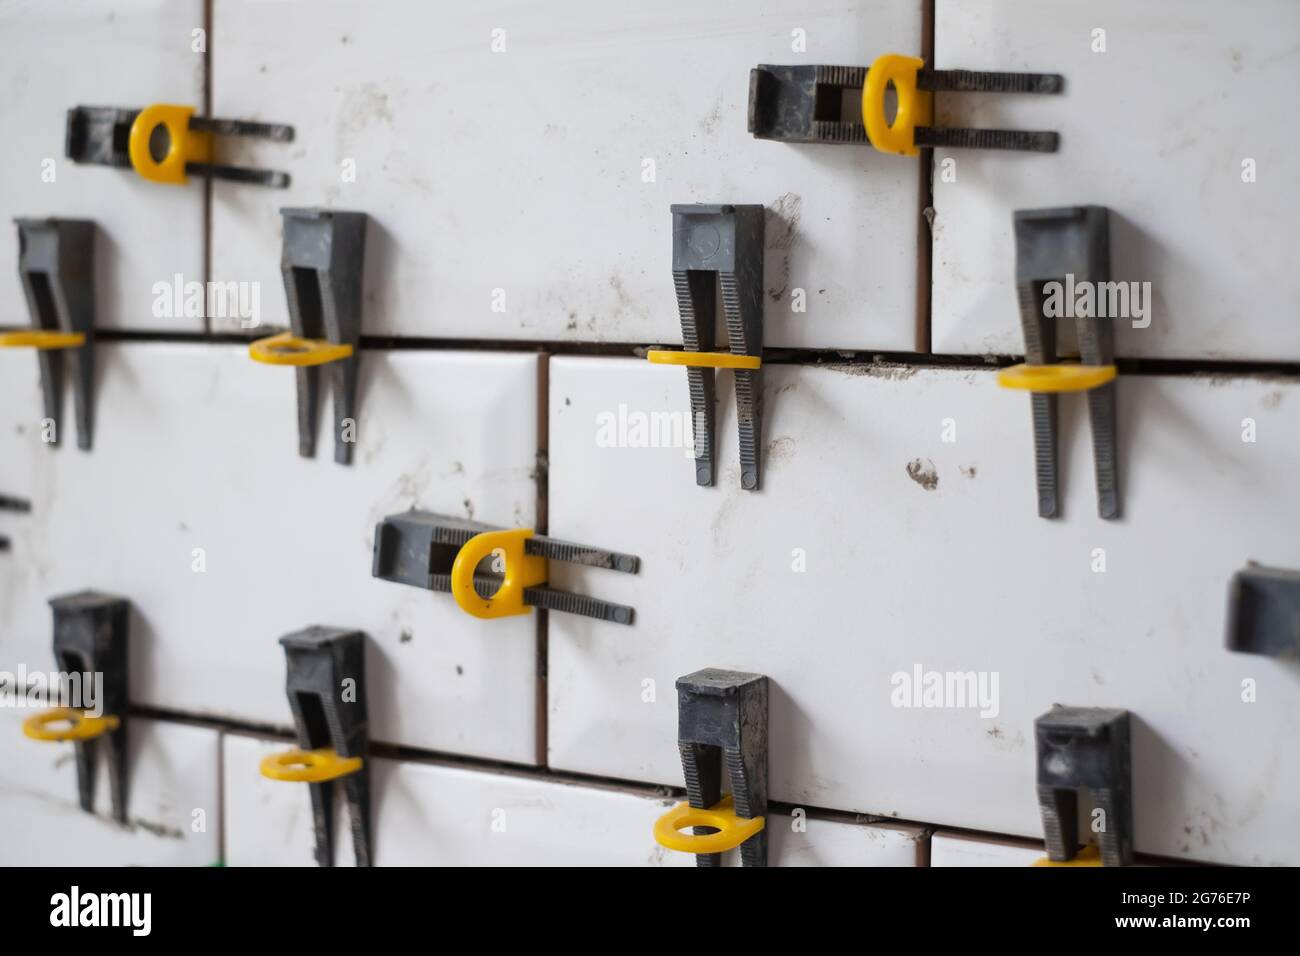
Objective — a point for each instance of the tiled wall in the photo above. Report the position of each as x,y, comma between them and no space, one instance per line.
518,185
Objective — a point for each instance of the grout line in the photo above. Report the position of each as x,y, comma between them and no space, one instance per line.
543,484
221,796
541,715
640,788
839,358
923,855
225,724
207,179
925,204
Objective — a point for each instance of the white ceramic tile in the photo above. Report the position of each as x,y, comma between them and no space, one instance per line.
836,843
961,576
1157,127
172,772
57,54
953,849
429,814
522,170
196,448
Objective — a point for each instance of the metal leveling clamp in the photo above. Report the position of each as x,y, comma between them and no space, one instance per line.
165,143
720,249
1085,750
325,670
90,645
322,262
56,262
721,728
491,572
805,104
1057,251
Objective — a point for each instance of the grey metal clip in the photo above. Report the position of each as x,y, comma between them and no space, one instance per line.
100,136
1085,749
56,262
323,264
325,679
1264,612
722,721
719,248
419,548
816,103
90,640
1069,246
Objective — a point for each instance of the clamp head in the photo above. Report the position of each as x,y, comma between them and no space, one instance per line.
90,636
1085,749
1264,612
717,237
328,664
90,640
56,262
99,135
1064,240
805,104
